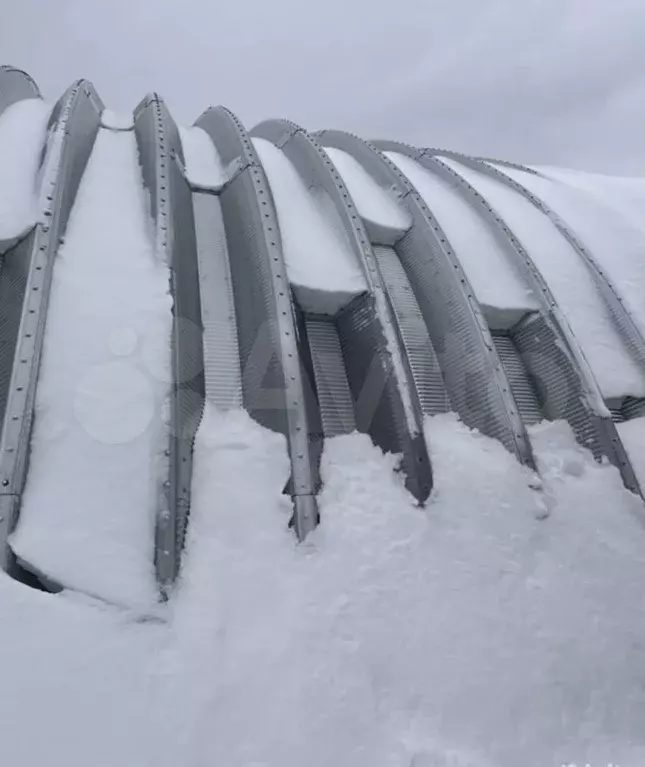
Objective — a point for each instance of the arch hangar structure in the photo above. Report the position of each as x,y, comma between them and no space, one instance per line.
332,284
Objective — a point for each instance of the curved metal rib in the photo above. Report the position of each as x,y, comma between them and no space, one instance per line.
553,356
15,85
627,326
160,150
275,390
25,285
476,381
368,326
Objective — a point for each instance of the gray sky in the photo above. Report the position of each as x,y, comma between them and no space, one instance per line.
548,81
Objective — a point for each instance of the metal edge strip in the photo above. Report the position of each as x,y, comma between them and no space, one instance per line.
159,146
71,142
295,409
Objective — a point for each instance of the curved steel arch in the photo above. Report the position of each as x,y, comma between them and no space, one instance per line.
275,390
476,381
367,326
161,158
25,288
16,85
625,323
571,391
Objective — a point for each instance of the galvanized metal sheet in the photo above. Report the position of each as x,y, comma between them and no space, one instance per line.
276,391
334,396
172,212
223,376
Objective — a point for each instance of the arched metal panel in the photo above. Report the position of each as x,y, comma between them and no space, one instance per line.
25,283
15,85
627,326
552,354
367,327
276,391
476,381
161,157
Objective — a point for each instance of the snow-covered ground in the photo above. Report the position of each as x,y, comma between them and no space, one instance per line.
93,487
468,634
22,134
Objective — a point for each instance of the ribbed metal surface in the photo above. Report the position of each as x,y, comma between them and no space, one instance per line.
375,390
171,206
633,408
561,397
15,85
317,171
414,333
334,396
473,373
275,391
223,377
70,143
518,376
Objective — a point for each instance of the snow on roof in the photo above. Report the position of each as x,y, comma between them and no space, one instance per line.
322,269
22,134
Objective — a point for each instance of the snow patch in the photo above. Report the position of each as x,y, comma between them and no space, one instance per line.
22,135
321,266
571,284
87,516
495,280
615,239
373,202
203,165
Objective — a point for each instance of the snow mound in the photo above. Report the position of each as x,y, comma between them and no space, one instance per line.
468,634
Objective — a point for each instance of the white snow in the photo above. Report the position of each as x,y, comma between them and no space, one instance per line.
22,135
87,517
468,634
632,435
495,281
321,266
571,284
373,202
624,195
203,165
117,120
615,239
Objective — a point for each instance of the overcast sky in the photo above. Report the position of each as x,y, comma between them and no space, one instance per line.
545,81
